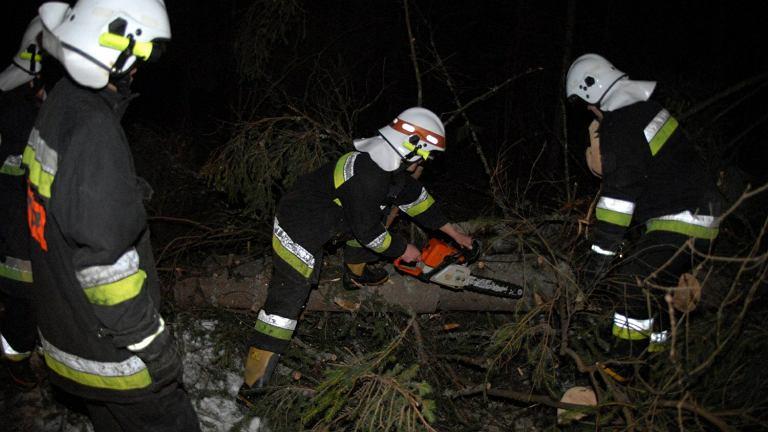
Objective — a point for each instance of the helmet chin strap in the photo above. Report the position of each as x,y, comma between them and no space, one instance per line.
392,146
608,90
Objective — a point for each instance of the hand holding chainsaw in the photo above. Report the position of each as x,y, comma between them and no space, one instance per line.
448,266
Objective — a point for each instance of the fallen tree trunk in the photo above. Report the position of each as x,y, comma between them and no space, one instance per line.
231,290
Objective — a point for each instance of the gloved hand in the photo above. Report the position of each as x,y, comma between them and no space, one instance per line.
162,358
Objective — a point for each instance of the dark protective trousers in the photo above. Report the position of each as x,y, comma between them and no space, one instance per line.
17,323
289,290
170,411
659,252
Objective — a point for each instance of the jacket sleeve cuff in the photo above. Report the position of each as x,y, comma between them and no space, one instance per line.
141,345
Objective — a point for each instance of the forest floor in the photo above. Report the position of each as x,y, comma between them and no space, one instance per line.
378,367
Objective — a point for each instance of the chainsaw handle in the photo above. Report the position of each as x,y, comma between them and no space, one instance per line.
471,255
411,268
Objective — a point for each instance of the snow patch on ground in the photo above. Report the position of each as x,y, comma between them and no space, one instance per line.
211,377
212,381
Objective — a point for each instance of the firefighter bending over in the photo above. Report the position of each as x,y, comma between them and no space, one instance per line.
348,197
651,175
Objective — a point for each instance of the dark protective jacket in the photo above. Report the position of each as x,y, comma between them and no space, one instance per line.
348,198
18,109
651,175
96,284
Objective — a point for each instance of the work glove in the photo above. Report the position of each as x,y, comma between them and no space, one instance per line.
161,357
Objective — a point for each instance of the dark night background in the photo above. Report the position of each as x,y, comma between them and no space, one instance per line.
232,63
694,49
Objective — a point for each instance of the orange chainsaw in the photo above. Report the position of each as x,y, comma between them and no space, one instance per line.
446,265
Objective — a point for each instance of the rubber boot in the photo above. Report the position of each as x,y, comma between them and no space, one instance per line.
259,367
357,276
619,362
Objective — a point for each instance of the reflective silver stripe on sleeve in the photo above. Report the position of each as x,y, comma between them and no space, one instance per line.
46,156
690,218
18,264
617,205
293,247
13,161
655,125
277,321
423,196
125,266
621,321
128,367
349,166
601,251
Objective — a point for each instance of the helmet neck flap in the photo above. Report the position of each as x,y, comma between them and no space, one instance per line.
626,92
96,40
26,63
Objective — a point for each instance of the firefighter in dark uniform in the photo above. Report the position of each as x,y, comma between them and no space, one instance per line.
651,175
22,94
349,197
96,288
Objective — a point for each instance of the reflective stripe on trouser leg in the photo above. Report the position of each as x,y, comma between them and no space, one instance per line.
355,253
275,326
659,341
631,329
286,295
11,354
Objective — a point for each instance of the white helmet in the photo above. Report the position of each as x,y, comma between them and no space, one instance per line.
99,38
590,77
26,63
412,135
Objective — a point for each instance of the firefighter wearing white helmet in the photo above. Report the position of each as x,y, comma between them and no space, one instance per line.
101,39
411,136
651,176
26,64
21,96
347,199
96,286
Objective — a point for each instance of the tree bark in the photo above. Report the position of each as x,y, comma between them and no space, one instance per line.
228,290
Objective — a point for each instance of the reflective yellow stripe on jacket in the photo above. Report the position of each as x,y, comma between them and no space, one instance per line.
12,166
658,131
420,205
113,284
128,374
345,169
16,269
42,163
